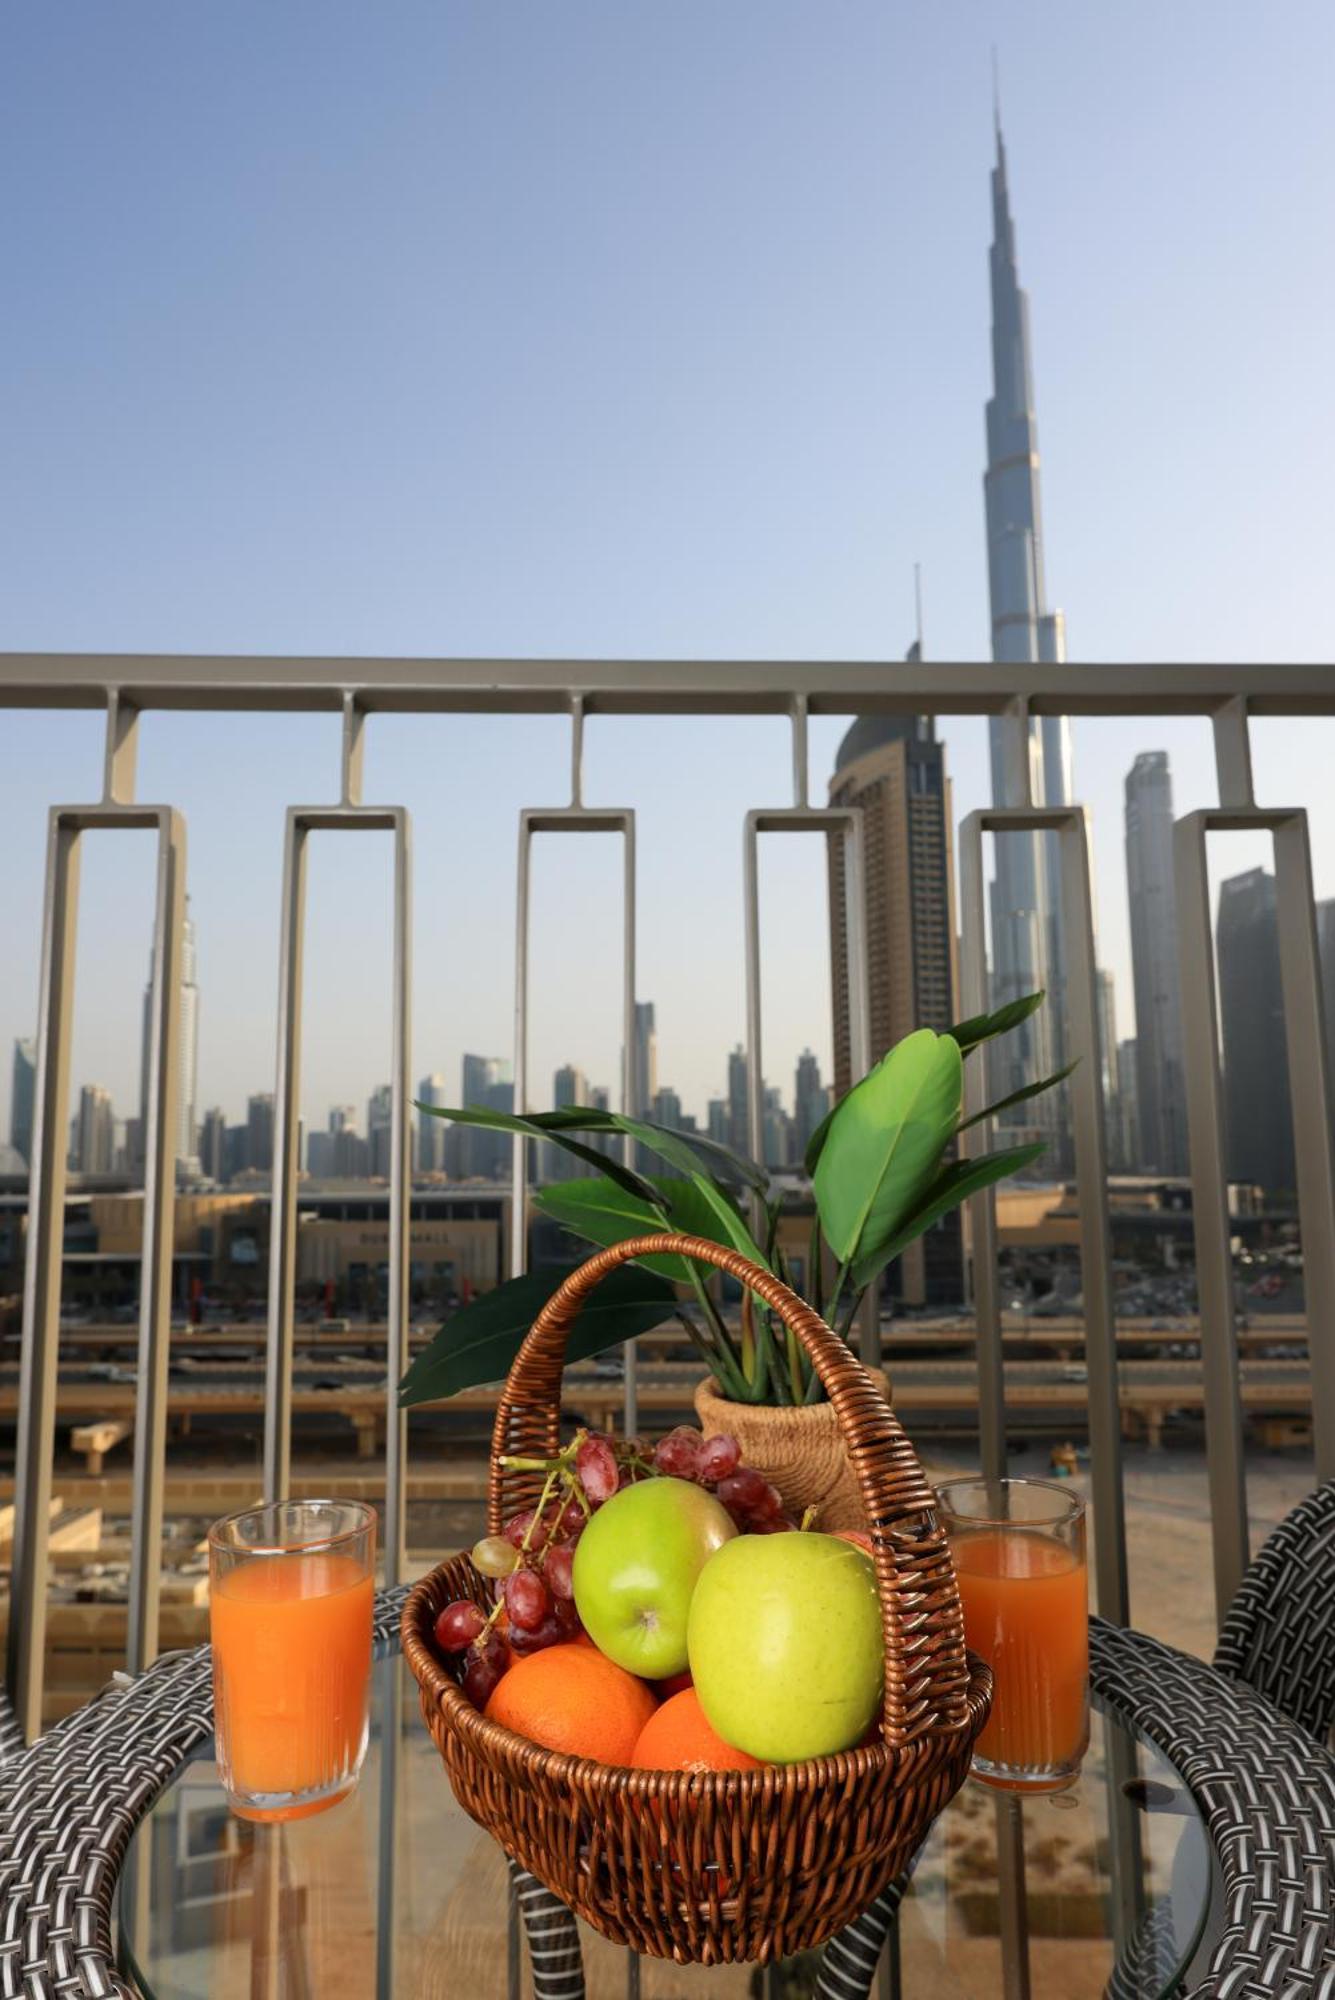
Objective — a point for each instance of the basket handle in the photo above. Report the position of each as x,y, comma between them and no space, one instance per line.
926,1673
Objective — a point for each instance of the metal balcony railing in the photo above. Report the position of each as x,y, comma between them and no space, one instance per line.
123,687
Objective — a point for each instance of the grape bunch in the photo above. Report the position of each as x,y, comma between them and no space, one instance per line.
528,1569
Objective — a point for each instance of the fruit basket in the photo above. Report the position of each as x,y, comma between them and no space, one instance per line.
714,1866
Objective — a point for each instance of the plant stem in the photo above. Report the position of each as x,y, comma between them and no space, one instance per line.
794,1366
815,1259
723,1360
841,1278
748,1341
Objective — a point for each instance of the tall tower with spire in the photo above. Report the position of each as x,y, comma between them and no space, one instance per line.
1026,937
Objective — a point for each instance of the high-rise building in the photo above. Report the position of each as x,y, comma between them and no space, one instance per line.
776,1131
431,1131
811,1102
1026,939
893,770
23,1088
1161,1089
380,1131
738,1132
1258,1127
666,1109
486,1085
95,1131
716,1120
187,1063
259,1132
570,1088
1126,1153
643,1060
213,1144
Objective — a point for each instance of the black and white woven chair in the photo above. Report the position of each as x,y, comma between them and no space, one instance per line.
1279,1635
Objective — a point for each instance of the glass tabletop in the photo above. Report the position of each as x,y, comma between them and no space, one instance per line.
395,1892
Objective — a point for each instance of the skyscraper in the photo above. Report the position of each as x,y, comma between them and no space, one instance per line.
667,1108
379,1130
738,1134
1161,1090
776,1131
811,1101
431,1131
1026,939
1126,1151
643,1077
570,1087
187,1149
259,1132
893,770
22,1091
1258,1128
486,1085
95,1127
213,1144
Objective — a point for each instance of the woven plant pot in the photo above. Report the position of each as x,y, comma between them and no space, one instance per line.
704,1867
800,1450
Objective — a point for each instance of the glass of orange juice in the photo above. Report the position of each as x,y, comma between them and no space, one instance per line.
290,1608
1019,1551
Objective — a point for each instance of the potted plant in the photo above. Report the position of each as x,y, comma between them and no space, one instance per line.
882,1170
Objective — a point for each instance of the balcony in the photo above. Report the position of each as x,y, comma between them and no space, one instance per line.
233,1333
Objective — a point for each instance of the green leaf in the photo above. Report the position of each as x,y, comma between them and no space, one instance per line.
957,1180
606,1215
816,1143
480,1342
716,1159
729,1228
983,1027
532,1128
885,1141
1020,1096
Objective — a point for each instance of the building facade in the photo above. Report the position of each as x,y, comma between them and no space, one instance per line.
23,1087
1161,1092
1026,932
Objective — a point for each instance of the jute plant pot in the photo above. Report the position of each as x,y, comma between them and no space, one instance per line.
800,1450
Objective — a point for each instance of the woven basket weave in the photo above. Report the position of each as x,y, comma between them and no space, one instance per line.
704,1867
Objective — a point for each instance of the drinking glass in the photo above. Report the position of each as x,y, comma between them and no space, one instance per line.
292,1588
1019,1551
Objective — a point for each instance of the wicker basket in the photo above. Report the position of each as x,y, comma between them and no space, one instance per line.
703,1867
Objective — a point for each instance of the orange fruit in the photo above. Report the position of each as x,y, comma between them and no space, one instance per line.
572,1698
678,1737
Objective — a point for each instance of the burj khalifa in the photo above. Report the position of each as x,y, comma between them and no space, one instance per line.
1026,935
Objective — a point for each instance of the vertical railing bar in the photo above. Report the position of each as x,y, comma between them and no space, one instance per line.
867,1325
122,749
26,1642
982,1206
1233,754
755,1119
630,1351
519,1065
283,1176
1112,1591
1309,1093
155,1285
353,750
400,1205
1224,1449
801,754
576,750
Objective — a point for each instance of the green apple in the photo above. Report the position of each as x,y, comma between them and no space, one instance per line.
635,1569
786,1645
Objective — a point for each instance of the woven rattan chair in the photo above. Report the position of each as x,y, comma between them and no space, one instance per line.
1279,1635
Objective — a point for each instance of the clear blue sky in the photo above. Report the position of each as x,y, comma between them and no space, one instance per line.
623,330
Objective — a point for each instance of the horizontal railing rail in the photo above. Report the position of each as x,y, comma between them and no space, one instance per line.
125,686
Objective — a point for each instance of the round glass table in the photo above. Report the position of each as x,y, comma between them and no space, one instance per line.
395,1892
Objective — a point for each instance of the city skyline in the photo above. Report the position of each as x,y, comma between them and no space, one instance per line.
641,480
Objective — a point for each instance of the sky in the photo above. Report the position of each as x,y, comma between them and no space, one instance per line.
628,331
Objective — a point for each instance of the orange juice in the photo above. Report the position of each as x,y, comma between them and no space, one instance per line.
1026,1612
291,1661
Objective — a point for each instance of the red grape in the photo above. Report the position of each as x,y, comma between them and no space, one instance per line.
770,1505
458,1625
516,1527
678,1454
568,1618
526,1600
595,1462
719,1456
483,1668
558,1570
744,1490
771,1524
548,1633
